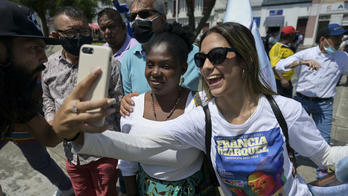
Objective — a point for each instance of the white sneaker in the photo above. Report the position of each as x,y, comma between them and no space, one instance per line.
69,192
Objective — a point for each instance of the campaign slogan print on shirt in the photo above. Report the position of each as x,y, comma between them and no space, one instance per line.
252,164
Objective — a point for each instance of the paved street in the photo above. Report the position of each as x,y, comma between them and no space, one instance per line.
19,179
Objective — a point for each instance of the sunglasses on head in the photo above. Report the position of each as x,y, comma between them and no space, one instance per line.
142,14
215,56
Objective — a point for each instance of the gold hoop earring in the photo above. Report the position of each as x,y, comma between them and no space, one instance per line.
182,80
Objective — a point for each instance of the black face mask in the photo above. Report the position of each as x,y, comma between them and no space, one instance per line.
73,45
142,30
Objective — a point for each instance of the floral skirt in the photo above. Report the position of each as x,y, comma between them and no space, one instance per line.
149,186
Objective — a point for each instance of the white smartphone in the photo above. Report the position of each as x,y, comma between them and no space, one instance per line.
91,57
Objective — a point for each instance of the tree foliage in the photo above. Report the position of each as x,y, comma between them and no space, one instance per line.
46,8
206,15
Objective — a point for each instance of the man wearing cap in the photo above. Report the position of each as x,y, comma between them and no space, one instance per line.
281,50
22,54
89,174
318,71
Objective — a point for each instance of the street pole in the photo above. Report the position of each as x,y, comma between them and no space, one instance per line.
176,10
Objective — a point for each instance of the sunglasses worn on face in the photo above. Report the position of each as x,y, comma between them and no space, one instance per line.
215,56
142,14
71,33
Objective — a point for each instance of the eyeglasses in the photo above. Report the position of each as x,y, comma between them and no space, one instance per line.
71,33
142,14
215,56
110,27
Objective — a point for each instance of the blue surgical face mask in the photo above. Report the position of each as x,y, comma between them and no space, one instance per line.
330,50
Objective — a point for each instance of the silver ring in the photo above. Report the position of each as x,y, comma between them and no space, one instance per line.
74,110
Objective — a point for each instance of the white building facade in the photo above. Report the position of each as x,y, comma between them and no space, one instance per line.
307,16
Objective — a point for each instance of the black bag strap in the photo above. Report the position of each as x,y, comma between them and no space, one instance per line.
280,118
208,131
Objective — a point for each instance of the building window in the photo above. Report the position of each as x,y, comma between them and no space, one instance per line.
324,17
345,16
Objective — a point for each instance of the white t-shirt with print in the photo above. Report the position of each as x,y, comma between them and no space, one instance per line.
170,165
254,153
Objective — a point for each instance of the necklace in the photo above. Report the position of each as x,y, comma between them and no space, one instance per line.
171,111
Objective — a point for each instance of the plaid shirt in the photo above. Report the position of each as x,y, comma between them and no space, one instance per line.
59,79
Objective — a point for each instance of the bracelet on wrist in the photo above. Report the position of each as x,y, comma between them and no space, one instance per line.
74,138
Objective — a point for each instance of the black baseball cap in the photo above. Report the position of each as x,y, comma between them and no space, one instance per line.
19,21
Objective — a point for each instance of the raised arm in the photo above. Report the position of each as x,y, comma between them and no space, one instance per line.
295,61
120,8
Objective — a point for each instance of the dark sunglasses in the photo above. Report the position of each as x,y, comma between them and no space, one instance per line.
215,56
71,33
142,14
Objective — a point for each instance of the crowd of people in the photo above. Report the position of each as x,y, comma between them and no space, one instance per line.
159,83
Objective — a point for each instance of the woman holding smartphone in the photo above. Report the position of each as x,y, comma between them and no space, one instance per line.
247,142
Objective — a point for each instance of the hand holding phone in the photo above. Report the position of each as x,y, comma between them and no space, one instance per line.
91,57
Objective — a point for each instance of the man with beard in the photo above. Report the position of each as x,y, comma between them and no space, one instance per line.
90,175
22,54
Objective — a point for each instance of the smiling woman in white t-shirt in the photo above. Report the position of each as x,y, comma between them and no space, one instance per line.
177,171
245,131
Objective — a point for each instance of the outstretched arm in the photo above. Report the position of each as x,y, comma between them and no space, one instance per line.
125,146
328,156
312,64
295,61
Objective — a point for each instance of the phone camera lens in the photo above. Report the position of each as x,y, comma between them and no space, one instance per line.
87,50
